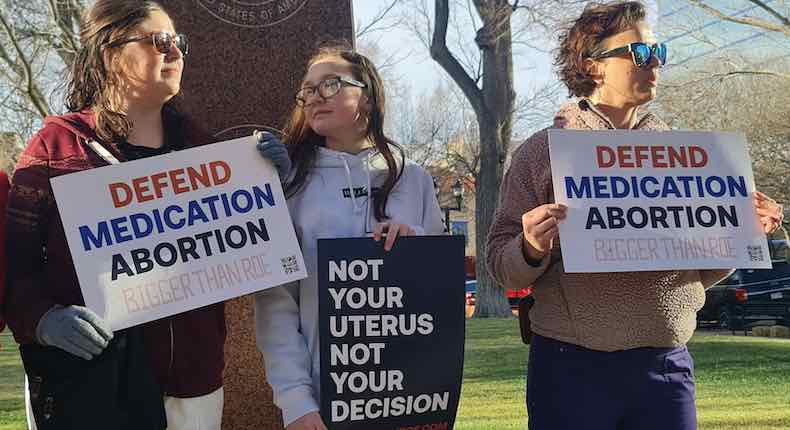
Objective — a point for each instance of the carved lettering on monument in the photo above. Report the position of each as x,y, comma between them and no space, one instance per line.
252,13
245,130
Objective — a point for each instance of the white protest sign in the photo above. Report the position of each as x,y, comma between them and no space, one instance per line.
159,236
642,200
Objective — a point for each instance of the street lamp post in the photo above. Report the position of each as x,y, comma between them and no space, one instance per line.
458,194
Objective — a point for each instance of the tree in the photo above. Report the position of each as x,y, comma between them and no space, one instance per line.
484,75
717,32
436,128
723,87
439,128
778,22
755,105
38,42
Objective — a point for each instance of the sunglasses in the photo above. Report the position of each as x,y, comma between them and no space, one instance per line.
326,88
641,53
162,40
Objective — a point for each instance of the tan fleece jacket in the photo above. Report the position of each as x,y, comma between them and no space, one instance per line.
600,311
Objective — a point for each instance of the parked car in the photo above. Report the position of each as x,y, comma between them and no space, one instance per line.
471,288
750,297
513,296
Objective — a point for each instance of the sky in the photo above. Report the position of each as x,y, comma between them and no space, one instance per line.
532,68
671,20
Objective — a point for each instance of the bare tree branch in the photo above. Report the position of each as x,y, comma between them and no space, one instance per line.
722,76
467,54
377,20
471,141
777,15
30,86
63,13
449,63
751,103
754,22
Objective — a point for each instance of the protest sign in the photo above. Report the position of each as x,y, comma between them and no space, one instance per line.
641,200
392,332
159,236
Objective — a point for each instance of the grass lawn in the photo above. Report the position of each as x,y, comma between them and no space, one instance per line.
12,399
743,383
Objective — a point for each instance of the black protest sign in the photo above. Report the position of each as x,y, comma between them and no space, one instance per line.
392,332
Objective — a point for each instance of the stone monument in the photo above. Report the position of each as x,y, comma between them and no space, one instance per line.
246,59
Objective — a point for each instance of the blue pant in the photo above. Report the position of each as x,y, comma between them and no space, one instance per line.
574,388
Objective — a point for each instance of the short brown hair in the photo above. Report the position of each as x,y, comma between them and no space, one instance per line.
582,39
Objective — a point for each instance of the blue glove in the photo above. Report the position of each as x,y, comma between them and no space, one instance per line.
74,329
270,147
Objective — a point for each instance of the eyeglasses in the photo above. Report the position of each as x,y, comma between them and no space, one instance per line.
326,88
162,40
641,53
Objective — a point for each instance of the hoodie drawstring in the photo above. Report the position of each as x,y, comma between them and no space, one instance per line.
367,175
350,183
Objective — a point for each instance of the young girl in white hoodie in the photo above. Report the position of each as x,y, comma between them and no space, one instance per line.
348,180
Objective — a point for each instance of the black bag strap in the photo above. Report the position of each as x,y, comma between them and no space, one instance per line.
524,305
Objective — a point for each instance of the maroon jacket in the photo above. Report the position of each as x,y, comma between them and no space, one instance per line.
186,350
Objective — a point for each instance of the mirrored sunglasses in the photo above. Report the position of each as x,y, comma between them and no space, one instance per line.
641,53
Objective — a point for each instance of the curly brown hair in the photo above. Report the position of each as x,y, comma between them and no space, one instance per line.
91,84
582,38
303,142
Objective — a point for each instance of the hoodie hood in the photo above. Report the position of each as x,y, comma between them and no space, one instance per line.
581,114
80,123
83,124
359,170
329,158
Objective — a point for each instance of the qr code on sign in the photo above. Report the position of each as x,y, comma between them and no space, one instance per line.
755,253
290,264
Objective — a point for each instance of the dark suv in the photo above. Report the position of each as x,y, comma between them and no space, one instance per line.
750,297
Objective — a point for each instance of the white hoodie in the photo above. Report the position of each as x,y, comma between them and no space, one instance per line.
329,207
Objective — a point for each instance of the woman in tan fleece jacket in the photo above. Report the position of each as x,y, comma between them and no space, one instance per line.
608,350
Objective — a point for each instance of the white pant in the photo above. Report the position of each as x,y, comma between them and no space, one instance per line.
31,423
195,413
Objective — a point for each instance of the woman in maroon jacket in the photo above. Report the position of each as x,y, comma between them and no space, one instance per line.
120,97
